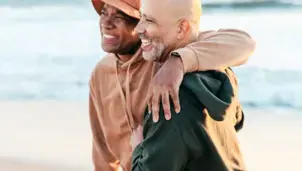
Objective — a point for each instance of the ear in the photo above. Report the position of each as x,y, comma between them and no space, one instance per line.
183,29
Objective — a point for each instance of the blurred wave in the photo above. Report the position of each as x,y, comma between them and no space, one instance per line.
262,88
207,3
47,53
20,3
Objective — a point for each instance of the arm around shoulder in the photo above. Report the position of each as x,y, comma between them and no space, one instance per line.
217,49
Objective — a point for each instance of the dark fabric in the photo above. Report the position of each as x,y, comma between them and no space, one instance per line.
202,137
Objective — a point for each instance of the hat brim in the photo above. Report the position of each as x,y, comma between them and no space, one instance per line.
127,9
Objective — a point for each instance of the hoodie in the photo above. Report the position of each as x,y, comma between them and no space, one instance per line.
202,136
117,98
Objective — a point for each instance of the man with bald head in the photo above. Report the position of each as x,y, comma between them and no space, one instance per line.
166,25
203,135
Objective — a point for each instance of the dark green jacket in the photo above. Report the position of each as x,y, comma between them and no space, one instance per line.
202,137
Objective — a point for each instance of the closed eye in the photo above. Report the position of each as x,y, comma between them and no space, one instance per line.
151,21
120,17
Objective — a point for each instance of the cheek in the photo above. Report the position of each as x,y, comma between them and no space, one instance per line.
153,32
170,36
132,34
129,38
129,35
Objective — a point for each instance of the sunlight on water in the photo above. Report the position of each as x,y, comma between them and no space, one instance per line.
49,52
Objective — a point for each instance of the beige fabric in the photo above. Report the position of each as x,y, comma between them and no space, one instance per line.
218,49
129,7
118,91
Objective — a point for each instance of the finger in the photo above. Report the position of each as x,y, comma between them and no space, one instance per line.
155,102
149,101
174,93
149,107
166,105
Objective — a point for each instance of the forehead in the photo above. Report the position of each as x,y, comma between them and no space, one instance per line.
156,9
149,7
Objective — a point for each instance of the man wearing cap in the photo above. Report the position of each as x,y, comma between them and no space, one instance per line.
203,135
121,80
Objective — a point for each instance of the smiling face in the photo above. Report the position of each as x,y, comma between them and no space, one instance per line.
159,28
163,29
157,36
153,44
117,31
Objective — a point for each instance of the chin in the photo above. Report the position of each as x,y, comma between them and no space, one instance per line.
109,49
155,53
149,56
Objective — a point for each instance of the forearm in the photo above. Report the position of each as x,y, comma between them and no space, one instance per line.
217,50
162,148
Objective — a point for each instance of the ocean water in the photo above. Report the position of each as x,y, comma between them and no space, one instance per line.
48,53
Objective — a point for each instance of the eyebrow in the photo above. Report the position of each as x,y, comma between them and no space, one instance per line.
147,16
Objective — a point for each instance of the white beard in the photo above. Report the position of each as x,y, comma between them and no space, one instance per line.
156,52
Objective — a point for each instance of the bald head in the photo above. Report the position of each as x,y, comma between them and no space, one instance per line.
172,10
167,24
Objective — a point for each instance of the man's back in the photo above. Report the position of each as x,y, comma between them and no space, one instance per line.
193,140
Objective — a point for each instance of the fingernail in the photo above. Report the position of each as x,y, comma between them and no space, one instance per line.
168,117
177,110
149,111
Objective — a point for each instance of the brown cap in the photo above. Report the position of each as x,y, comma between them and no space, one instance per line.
129,7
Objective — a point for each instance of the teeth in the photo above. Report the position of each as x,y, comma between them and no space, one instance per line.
146,42
108,36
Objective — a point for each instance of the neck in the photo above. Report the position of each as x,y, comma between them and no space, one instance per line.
125,57
164,57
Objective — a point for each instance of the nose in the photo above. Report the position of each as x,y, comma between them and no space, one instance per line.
139,28
106,23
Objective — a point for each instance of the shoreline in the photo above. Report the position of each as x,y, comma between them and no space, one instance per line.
55,136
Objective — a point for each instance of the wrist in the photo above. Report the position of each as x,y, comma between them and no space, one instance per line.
175,57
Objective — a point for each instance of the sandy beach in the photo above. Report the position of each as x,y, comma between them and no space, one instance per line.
49,49
55,136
